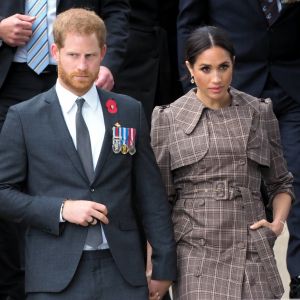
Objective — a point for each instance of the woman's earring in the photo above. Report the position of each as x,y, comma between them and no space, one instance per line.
192,80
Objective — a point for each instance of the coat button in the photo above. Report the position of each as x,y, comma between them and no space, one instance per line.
202,242
242,161
201,202
241,245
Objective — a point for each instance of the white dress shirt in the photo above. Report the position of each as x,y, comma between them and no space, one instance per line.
93,116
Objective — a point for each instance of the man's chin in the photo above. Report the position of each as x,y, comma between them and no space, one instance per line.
82,88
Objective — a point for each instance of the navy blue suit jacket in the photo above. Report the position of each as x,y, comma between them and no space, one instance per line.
39,167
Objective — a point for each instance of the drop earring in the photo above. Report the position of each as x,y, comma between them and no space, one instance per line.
192,80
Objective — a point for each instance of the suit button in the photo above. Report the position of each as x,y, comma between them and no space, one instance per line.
92,190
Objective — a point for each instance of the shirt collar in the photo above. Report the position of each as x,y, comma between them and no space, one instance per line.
67,99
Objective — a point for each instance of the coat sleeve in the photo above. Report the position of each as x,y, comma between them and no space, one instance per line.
277,178
15,204
160,131
115,14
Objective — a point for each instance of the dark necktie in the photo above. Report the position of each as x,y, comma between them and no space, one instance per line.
83,141
270,9
94,237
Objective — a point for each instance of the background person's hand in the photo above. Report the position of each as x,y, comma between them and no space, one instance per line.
16,30
105,79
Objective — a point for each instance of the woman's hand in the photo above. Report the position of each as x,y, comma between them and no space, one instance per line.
276,226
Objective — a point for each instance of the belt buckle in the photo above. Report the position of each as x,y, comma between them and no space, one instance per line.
220,189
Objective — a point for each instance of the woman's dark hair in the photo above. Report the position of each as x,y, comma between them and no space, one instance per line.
204,38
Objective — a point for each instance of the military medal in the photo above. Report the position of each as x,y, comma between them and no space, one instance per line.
117,137
131,145
123,139
124,147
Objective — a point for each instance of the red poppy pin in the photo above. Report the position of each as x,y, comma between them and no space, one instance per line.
111,106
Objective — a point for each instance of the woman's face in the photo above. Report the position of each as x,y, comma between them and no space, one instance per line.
212,73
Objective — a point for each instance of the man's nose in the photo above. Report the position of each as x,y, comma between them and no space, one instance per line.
82,65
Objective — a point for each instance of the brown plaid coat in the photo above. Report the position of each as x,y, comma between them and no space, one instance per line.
212,162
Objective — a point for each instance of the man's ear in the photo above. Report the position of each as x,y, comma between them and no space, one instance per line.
55,52
103,51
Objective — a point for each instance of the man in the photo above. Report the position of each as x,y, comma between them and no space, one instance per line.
265,35
19,82
47,184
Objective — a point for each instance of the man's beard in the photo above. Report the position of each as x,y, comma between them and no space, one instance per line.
76,85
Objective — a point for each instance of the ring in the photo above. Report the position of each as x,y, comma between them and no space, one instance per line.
91,222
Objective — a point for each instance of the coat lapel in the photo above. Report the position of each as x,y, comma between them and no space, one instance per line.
109,121
61,132
188,111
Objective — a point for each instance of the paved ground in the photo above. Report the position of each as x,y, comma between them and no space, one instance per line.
280,254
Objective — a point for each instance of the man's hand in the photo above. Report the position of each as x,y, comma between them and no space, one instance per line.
158,288
16,30
105,79
84,212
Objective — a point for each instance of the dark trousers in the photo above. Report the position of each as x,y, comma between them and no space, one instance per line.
11,261
20,84
97,278
287,111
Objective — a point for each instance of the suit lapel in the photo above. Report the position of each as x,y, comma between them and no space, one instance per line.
61,132
109,121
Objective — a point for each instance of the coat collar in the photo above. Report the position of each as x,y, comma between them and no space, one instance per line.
189,109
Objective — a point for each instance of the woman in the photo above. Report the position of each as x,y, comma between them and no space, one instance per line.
213,146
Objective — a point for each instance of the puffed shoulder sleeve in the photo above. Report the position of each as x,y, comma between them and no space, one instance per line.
160,135
277,178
